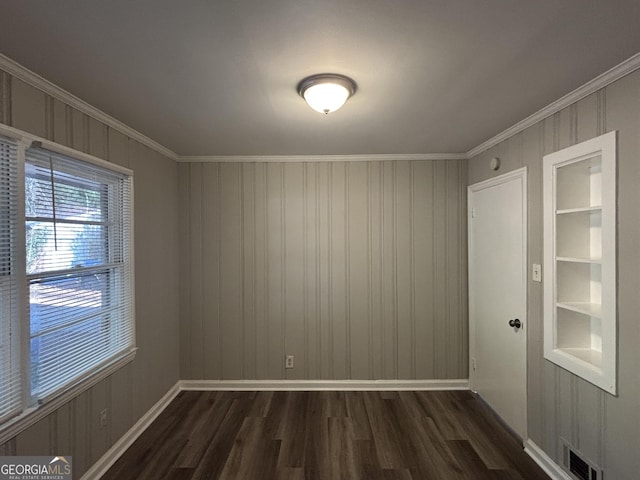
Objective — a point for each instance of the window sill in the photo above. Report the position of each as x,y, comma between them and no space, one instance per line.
32,415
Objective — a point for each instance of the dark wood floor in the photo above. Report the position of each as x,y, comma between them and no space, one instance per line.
326,435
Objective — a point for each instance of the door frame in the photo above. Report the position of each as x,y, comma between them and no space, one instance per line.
519,174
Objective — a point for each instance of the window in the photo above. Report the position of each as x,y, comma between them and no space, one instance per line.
77,262
72,272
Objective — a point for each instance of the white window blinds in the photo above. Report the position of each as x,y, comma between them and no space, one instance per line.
10,376
78,222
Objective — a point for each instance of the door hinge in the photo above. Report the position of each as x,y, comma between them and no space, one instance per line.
473,213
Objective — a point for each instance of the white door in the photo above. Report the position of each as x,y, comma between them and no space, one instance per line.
497,295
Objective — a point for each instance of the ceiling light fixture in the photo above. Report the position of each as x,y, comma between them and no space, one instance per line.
326,92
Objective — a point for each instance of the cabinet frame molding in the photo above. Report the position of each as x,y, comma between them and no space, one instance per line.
592,271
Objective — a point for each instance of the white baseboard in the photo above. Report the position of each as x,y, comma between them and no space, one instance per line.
115,452
544,461
324,385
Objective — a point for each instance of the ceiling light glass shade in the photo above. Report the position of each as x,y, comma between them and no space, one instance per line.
326,97
326,93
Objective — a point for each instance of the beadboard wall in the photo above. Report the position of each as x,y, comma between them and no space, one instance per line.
358,269
604,428
128,394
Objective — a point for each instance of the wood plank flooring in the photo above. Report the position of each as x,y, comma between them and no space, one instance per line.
326,435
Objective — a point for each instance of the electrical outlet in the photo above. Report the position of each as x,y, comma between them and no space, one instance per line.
104,417
288,363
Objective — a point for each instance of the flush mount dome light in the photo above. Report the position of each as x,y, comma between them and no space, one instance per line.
326,92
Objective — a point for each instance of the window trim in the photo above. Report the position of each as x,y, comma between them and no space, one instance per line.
31,414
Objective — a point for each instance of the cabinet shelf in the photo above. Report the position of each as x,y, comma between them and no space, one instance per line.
590,309
569,211
580,319
578,234
595,261
591,359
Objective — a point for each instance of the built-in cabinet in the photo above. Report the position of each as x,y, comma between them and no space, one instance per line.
580,320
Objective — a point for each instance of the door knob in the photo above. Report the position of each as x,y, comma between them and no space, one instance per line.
515,323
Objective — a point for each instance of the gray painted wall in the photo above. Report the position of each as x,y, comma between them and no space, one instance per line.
604,428
356,268
74,429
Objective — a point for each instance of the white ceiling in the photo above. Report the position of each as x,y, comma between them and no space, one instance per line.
219,77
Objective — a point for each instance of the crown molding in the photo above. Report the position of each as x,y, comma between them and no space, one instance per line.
616,73
18,71
374,157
